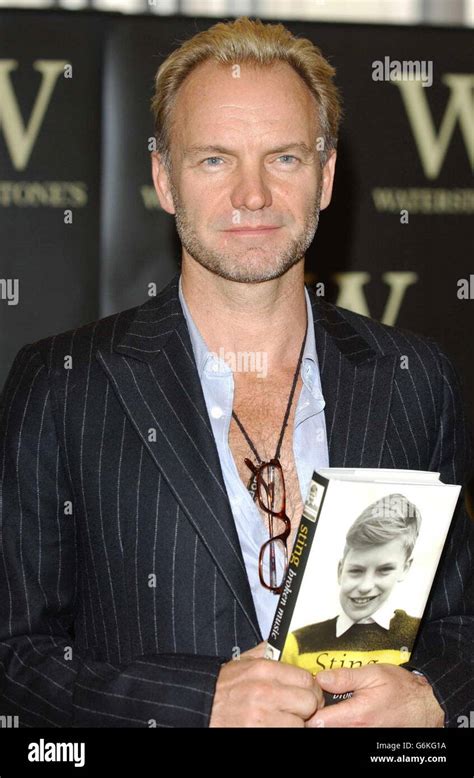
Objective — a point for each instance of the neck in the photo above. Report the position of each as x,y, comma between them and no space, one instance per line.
241,317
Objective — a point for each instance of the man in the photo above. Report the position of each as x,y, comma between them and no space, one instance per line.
129,573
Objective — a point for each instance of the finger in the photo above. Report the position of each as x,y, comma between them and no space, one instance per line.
286,674
341,714
319,694
286,720
345,679
257,652
300,702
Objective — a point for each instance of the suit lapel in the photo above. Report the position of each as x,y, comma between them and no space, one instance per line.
357,386
153,372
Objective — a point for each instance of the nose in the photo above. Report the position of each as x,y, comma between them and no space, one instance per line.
366,584
251,188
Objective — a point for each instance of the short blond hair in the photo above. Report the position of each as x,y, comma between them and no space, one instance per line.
247,41
392,516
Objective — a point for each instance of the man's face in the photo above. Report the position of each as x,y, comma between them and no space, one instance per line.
367,576
257,166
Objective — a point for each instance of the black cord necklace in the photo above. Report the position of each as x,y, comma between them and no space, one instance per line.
252,484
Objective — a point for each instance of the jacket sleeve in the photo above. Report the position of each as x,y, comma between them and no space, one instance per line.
44,680
444,651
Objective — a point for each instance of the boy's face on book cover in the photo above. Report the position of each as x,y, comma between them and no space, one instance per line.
367,576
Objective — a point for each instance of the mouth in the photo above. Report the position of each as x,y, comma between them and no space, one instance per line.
361,601
252,230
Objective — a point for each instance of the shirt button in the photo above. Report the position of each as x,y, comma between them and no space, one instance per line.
216,412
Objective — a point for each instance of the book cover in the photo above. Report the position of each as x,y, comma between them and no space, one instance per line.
361,568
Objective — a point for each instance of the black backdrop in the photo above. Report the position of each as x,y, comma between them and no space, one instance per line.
81,229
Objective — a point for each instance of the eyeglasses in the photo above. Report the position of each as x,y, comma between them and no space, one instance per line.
271,495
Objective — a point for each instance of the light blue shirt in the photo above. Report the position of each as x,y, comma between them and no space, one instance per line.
309,447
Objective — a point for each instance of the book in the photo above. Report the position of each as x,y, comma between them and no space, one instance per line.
361,568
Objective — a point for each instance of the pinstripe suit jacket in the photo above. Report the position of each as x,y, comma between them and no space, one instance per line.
122,582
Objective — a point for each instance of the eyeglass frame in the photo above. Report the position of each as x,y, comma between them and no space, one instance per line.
257,470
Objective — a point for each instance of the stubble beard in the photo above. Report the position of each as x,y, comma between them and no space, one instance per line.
250,267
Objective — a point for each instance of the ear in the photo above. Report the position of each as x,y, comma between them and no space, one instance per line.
406,568
339,571
328,180
161,182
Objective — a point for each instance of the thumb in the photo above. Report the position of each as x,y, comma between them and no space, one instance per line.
344,679
257,652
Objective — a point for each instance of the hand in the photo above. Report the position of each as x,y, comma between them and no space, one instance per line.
384,696
255,692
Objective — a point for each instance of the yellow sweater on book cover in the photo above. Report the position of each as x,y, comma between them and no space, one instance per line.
316,647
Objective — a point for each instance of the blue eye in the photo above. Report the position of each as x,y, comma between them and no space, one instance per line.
209,158
288,156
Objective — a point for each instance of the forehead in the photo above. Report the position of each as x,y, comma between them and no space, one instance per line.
386,552
261,100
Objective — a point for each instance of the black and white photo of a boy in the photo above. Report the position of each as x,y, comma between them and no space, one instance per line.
378,554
